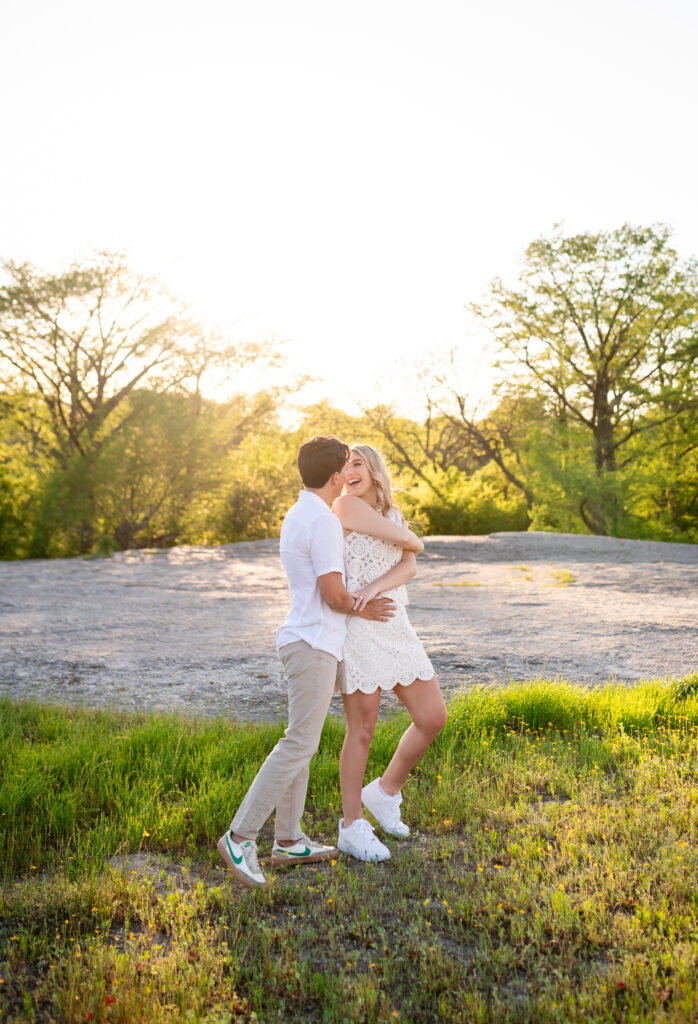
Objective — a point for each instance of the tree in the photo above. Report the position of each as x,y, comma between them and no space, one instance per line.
23,433
423,450
457,435
668,503
76,349
449,465
606,327
83,340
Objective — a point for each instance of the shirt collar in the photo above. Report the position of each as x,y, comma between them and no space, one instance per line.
310,496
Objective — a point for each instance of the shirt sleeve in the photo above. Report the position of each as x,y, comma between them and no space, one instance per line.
326,545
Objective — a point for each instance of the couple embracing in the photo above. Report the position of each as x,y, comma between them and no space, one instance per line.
347,557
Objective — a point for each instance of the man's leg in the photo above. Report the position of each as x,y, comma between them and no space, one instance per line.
282,781
289,810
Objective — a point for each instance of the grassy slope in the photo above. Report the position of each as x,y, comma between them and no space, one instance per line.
550,875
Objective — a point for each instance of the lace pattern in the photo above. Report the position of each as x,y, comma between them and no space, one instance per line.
379,654
366,558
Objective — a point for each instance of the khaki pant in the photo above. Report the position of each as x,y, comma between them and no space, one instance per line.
282,781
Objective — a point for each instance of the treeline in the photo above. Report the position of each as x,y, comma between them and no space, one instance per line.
108,442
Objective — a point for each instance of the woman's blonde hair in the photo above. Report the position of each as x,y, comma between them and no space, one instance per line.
380,475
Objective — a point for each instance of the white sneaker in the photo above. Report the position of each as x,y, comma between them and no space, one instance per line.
241,858
305,851
385,809
358,840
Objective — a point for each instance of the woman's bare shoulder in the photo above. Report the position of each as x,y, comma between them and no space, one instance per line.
346,501
350,507
350,501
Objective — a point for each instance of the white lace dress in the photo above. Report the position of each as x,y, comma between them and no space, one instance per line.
379,654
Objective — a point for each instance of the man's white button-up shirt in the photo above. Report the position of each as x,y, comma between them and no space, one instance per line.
312,544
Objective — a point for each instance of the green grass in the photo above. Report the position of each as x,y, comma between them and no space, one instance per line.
551,874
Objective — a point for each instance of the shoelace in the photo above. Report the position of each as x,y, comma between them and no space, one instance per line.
250,853
393,810
363,826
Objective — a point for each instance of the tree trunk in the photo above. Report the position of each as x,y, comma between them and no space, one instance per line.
593,517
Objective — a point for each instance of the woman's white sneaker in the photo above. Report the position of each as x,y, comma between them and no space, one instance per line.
385,809
241,858
359,840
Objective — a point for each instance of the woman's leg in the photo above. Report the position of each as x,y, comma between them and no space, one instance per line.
424,701
361,711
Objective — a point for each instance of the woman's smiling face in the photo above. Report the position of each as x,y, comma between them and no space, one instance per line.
358,480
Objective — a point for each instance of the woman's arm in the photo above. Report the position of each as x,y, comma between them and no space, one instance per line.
356,514
335,594
405,570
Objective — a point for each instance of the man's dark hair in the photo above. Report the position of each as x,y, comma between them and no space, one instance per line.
319,458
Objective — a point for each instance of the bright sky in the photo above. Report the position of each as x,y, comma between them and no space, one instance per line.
344,176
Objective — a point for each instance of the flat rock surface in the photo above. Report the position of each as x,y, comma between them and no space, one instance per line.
192,629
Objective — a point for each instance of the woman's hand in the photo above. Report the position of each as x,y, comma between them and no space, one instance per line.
366,594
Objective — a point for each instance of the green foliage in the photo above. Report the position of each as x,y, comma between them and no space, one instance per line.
667,503
22,435
83,340
10,521
469,505
63,518
566,708
101,371
653,495
602,328
261,478
106,441
14,498
324,418
262,484
150,472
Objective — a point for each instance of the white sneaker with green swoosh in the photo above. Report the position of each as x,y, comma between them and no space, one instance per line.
241,858
304,851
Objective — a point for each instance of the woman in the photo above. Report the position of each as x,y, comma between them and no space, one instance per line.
380,557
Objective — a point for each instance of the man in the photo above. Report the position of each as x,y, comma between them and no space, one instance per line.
310,648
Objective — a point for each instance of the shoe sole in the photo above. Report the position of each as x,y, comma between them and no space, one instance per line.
286,861
364,857
244,879
388,832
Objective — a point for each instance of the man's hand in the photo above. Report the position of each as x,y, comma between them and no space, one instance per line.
380,609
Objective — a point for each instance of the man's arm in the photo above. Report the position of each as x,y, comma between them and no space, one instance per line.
336,595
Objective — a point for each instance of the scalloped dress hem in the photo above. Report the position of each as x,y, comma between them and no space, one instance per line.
372,687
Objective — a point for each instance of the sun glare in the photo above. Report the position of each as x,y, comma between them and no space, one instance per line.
345,180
